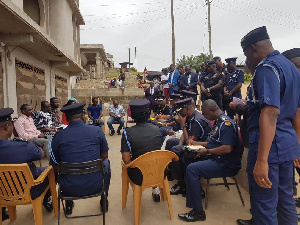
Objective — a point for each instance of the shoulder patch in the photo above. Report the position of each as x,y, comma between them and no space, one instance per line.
227,123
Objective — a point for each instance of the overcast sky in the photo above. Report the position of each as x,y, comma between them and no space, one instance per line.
146,24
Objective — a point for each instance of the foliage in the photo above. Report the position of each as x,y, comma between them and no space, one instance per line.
194,61
134,69
113,75
248,77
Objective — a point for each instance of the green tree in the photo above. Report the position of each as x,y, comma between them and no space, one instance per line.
194,61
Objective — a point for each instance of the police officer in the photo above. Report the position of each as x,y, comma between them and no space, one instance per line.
79,143
161,110
221,158
233,83
20,151
212,84
273,100
137,140
195,128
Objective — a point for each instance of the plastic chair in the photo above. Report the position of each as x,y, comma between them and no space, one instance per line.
129,115
80,169
16,180
225,178
152,165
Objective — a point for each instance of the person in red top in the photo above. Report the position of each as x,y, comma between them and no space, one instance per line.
26,129
70,102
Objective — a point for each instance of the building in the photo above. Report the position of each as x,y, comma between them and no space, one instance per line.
39,50
95,61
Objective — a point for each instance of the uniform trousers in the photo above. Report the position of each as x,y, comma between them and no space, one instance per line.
217,99
276,205
207,169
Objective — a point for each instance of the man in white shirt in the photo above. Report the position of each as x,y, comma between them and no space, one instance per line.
164,80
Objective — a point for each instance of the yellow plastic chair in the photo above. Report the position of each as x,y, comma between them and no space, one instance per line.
16,180
152,165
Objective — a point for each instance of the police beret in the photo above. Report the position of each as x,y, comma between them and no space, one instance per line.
210,63
188,94
216,58
5,114
254,36
183,103
74,109
292,53
139,105
230,60
174,96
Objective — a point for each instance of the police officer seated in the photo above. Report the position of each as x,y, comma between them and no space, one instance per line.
161,110
21,151
221,158
79,143
195,128
137,140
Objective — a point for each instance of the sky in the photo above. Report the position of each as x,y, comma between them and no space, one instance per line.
146,25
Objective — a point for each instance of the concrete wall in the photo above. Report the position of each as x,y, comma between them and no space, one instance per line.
18,3
32,9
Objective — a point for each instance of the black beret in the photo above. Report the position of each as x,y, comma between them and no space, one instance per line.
230,60
5,114
210,63
174,96
188,94
292,53
183,103
254,36
216,58
74,109
139,105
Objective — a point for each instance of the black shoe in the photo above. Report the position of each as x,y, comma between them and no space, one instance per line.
245,222
177,189
193,216
112,132
294,191
156,197
119,132
47,203
298,215
69,207
101,206
297,201
5,215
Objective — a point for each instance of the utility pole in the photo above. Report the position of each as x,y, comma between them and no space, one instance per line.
209,29
129,57
173,32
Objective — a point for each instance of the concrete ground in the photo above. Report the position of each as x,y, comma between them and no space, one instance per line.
224,206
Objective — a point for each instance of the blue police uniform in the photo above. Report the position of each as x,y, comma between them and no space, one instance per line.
276,82
224,132
78,143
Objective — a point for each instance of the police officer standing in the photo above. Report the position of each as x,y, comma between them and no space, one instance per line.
212,84
20,151
221,158
233,84
273,101
79,143
137,140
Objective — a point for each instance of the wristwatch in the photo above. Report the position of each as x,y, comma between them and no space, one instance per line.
207,152
183,127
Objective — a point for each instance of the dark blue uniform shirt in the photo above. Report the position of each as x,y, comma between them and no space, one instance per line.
276,82
232,79
78,143
198,126
18,151
225,132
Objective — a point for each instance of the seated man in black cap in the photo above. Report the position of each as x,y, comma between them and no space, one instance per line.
195,128
221,158
161,110
212,84
233,84
137,140
79,143
21,151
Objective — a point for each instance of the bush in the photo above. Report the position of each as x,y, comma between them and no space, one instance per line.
248,77
134,69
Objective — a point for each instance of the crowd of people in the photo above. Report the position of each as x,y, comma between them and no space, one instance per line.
207,142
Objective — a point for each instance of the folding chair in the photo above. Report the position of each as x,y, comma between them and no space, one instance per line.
129,115
16,181
152,165
81,169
